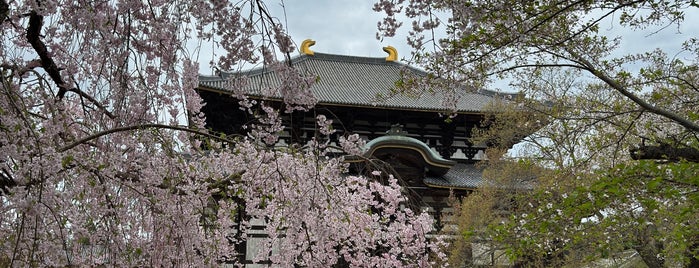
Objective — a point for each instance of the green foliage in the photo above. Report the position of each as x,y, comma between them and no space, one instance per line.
588,107
589,200
616,210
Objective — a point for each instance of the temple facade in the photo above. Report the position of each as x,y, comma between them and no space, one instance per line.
430,153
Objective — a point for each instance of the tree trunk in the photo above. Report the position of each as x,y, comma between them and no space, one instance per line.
649,248
666,152
649,256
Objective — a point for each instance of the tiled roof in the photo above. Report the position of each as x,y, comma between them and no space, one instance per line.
461,176
469,176
355,81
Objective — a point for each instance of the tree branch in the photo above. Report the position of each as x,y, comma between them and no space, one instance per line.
665,152
6,182
49,65
645,105
36,21
82,94
4,10
526,32
142,126
522,66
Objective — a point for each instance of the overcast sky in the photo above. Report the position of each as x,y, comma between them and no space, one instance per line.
345,27
348,27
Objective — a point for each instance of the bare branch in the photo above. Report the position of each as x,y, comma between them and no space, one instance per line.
523,66
137,127
84,95
36,21
645,105
49,65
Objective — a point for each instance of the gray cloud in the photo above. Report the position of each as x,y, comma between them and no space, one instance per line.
340,27
348,27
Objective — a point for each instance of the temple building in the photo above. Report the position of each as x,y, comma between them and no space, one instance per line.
431,153
428,150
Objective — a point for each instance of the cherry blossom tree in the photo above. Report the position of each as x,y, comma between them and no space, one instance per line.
98,168
621,142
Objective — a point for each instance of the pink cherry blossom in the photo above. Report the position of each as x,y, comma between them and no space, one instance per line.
105,158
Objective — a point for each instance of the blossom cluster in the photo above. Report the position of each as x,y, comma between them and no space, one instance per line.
96,167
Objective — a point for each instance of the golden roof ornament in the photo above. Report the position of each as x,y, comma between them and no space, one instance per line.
392,53
305,47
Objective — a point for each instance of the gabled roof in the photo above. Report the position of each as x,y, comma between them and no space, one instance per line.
461,176
351,81
470,176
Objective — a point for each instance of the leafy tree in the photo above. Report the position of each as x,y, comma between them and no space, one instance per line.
96,167
621,141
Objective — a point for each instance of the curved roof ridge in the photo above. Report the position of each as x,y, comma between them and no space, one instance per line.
398,141
321,56
360,59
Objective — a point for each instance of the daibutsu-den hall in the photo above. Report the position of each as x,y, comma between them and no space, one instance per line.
431,153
